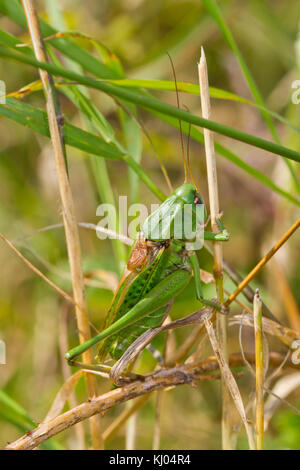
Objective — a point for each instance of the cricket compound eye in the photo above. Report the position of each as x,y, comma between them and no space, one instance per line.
198,200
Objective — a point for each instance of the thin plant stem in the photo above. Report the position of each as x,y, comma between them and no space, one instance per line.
55,119
98,166
37,271
217,246
230,380
262,262
259,371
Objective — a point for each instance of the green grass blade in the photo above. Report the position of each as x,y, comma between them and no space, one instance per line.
166,85
229,155
15,414
7,39
36,120
169,85
192,88
216,13
69,48
156,105
187,88
13,10
15,408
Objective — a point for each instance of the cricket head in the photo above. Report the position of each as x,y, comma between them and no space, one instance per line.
188,193
181,216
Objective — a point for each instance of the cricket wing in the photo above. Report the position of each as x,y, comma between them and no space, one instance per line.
159,225
132,288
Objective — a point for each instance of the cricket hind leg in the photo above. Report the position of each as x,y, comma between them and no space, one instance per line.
158,297
118,376
130,335
142,342
160,358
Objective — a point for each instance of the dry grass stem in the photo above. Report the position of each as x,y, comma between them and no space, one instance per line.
259,371
262,262
286,335
230,381
217,246
164,378
55,119
110,233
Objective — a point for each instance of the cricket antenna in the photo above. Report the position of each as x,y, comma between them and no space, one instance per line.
188,154
180,129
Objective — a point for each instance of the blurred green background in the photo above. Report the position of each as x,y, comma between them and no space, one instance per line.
33,318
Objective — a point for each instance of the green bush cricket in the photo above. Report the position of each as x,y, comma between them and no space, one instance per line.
160,266
158,269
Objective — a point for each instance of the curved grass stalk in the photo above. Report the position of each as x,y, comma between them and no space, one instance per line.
156,105
163,85
35,119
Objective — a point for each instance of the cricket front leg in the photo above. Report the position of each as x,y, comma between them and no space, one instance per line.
222,236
